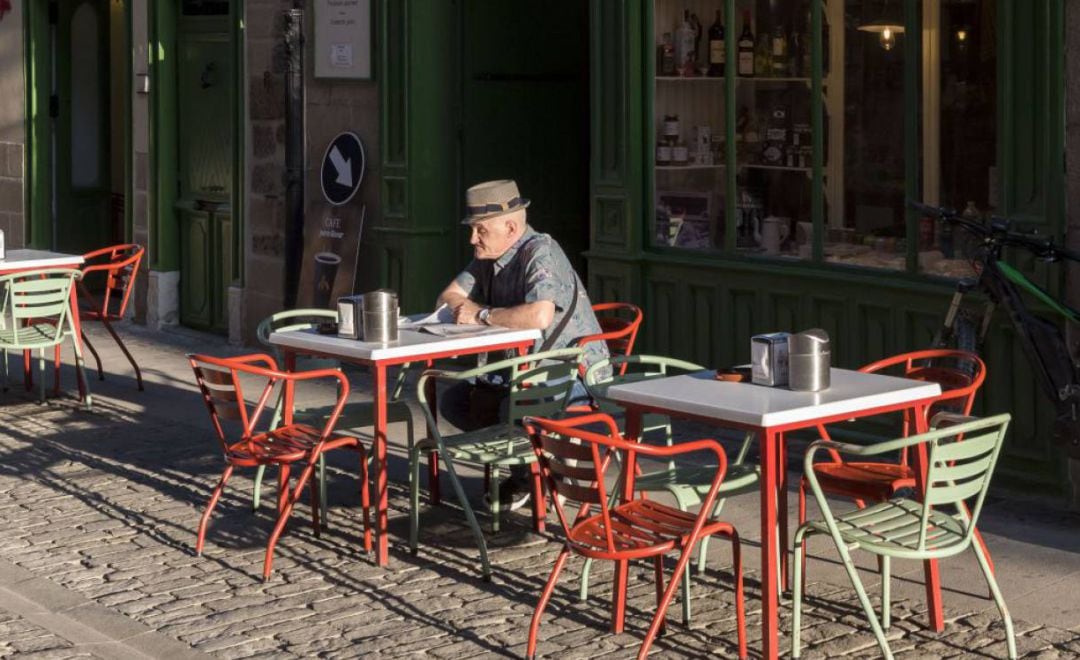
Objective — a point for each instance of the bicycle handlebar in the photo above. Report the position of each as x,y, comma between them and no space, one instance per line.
997,230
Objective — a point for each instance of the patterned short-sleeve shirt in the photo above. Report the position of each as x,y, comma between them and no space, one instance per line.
535,268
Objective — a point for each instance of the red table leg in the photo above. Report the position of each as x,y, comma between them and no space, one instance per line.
77,325
769,570
622,568
382,503
782,506
930,566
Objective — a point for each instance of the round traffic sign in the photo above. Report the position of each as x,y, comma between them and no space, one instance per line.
342,168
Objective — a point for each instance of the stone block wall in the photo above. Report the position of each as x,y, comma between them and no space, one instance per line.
332,107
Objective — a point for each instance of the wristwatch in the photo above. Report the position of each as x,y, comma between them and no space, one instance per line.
484,316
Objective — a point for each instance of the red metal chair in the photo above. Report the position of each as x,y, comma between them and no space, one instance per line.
572,462
219,381
960,374
120,266
619,325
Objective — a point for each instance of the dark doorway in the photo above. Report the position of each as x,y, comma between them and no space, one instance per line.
91,55
525,109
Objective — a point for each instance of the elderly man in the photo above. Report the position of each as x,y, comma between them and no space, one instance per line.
518,278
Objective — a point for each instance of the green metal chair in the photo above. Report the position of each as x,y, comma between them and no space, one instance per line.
689,484
356,414
540,386
35,313
962,452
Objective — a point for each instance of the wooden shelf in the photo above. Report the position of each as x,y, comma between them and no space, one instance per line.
780,168
689,167
741,79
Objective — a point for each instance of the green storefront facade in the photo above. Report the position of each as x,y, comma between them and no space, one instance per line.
704,305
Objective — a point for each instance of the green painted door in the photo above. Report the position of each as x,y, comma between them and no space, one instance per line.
525,109
206,100
83,159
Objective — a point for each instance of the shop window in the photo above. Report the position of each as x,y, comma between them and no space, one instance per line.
205,8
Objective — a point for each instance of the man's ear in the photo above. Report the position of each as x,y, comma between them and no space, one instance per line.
512,228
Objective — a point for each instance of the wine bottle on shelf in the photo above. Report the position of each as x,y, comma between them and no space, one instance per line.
684,46
665,64
779,53
717,49
746,47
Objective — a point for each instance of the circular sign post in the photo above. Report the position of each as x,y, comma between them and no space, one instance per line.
342,168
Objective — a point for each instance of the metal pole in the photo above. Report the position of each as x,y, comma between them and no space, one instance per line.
294,152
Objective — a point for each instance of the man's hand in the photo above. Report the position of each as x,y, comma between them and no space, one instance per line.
466,312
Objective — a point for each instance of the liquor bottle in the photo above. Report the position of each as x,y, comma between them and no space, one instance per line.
779,53
717,49
763,55
665,64
684,46
746,47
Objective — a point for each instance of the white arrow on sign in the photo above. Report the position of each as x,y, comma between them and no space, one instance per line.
343,167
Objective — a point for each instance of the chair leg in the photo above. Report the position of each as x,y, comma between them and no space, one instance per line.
583,587
886,614
864,600
283,486
545,597
316,523
258,488
459,490
539,502
93,351
80,372
658,575
991,581
322,490
740,597
665,600
365,498
800,554
120,343
414,499
41,374
28,370
797,590
214,497
434,493
494,505
56,370
283,515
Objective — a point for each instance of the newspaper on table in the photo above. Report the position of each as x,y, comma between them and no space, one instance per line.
441,323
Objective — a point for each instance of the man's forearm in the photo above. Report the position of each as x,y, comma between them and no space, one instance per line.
530,315
451,298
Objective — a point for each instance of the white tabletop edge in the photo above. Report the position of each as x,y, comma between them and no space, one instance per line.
29,258
763,407
411,343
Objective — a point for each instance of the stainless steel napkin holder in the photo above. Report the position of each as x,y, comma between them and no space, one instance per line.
348,315
379,316
810,358
769,359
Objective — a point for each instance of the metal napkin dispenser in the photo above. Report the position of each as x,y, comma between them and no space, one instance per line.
769,359
348,316
810,358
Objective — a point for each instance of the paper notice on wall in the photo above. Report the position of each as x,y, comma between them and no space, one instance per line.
341,55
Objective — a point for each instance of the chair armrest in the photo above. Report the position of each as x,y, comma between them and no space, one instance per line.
946,419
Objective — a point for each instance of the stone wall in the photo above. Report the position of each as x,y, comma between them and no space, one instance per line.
12,126
332,106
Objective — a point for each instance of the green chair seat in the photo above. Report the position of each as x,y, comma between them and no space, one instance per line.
504,444
31,336
740,478
893,527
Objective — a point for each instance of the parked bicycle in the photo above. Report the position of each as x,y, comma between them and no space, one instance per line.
1042,339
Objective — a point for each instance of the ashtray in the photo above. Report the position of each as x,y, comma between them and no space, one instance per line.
734,374
327,328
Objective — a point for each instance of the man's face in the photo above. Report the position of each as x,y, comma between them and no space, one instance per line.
492,238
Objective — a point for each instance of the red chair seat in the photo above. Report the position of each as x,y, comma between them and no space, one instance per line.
876,481
642,528
286,444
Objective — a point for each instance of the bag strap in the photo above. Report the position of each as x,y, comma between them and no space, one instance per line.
554,336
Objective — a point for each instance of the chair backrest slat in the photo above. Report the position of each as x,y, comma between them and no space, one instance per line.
543,390
122,263
42,295
961,460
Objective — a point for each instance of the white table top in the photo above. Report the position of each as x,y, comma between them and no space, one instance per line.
410,343
25,259
701,395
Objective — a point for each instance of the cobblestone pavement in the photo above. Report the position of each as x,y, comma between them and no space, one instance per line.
105,505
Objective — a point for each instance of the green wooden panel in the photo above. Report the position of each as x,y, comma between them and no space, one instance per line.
703,322
743,323
196,306
617,70
830,314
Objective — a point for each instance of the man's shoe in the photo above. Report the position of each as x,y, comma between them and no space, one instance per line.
512,495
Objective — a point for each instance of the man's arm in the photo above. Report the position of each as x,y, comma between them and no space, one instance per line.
530,315
452,296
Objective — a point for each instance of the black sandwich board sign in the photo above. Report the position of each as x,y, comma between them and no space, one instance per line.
342,168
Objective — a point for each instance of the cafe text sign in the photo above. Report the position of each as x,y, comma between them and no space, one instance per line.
343,39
